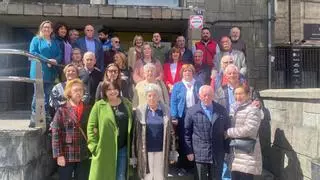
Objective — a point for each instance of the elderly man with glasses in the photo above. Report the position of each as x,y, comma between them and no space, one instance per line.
238,57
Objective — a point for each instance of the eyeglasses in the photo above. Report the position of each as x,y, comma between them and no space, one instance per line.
116,41
113,71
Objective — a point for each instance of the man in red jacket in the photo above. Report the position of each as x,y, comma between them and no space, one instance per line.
208,46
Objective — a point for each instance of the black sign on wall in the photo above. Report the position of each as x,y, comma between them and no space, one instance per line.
296,74
311,31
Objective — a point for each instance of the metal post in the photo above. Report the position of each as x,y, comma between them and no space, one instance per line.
39,116
289,20
270,57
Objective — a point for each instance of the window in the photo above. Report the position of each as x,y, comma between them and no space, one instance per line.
169,3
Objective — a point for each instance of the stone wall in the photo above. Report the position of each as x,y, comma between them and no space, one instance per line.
253,17
290,138
24,153
302,11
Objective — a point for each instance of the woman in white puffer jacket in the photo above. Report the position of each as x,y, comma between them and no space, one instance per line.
246,120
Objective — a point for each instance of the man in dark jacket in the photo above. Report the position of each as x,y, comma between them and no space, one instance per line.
203,71
89,43
91,76
205,124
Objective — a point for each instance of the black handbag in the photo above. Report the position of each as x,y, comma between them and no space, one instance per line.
243,144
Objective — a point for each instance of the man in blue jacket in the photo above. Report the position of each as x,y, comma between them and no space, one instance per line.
89,43
205,124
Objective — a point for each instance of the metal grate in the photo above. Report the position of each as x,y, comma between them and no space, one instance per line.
296,67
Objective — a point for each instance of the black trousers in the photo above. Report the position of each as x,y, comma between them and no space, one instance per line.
241,176
183,161
81,170
206,171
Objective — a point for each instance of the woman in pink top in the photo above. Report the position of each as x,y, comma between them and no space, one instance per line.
147,58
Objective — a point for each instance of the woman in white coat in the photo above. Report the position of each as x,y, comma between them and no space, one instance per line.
246,120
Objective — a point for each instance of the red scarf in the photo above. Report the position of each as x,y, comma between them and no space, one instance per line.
79,110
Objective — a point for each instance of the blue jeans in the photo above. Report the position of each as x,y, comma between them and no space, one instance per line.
122,164
226,174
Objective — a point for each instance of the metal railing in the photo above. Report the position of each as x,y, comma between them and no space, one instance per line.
296,66
38,118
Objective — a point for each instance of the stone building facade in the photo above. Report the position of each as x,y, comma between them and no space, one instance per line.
22,17
302,12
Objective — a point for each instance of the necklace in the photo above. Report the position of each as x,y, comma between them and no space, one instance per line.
115,108
115,105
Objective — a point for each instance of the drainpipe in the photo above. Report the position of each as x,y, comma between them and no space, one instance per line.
289,20
270,57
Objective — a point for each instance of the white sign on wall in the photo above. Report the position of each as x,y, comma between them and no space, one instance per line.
196,21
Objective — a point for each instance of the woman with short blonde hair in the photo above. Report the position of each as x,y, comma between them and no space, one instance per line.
57,97
69,140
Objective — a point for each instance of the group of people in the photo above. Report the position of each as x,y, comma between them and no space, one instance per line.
115,112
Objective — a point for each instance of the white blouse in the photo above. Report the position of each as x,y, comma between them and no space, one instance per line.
190,100
173,70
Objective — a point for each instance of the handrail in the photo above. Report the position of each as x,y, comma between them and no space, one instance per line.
27,54
38,118
16,79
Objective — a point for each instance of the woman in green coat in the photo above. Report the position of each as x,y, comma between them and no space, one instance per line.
109,129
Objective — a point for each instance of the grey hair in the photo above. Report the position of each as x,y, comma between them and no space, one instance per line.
148,66
89,53
198,51
231,66
151,87
205,86
72,31
234,27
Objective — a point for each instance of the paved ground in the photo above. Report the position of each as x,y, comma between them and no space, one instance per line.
173,177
